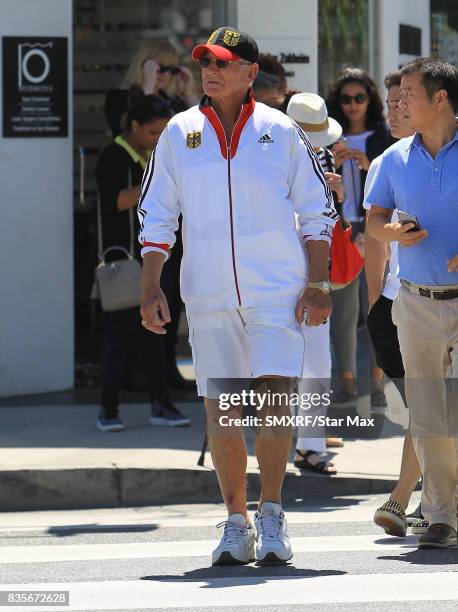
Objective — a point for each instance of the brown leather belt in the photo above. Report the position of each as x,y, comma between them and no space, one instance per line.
443,294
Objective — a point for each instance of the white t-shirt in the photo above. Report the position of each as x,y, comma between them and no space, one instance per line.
351,177
392,284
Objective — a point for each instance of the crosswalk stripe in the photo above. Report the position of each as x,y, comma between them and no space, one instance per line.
261,590
196,548
180,516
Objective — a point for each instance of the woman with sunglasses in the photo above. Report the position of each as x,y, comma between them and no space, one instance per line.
155,67
355,103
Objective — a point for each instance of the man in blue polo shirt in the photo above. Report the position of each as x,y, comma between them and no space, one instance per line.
419,176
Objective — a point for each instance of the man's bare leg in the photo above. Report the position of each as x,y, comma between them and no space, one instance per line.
391,515
272,454
409,475
228,452
273,445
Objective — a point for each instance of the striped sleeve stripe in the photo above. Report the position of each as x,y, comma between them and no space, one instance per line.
316,166
332,213
142,213
148,169
325,162
147,176
146,183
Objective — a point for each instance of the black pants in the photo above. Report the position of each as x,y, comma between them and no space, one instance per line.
384,336
123,330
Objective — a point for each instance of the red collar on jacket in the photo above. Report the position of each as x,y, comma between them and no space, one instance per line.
247,109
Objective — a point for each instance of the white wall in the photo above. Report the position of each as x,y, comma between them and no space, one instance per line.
390,14
290,26
36,231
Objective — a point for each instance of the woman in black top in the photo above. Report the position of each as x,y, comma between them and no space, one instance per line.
155,69
119,173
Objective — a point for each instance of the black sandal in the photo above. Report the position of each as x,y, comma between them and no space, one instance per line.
322,467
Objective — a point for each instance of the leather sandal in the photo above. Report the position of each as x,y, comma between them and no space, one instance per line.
322,467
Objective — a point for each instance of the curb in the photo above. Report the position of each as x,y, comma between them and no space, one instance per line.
113,487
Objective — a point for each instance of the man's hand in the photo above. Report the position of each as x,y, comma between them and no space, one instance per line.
402,235
154,310
341,153
453,264
317,306
360,158
335,184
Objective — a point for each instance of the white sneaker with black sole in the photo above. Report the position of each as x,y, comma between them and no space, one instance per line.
237,544
273,546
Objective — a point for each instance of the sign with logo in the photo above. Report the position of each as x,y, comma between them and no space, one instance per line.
35,87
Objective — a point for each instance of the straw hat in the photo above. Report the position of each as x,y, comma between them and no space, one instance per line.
309,110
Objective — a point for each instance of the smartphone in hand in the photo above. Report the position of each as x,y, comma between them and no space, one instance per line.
405,218
341,144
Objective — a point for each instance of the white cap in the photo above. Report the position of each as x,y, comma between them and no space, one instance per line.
309,110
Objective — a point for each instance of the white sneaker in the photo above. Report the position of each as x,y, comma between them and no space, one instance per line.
273,546
237,544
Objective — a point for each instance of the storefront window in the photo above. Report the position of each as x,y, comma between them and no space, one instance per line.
107,34
444,30
343,38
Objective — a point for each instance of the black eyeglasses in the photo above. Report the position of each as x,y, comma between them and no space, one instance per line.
172,69
204,62
345,99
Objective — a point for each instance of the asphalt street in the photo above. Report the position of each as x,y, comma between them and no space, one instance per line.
158,558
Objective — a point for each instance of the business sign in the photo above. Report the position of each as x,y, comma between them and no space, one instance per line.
35,87
296,55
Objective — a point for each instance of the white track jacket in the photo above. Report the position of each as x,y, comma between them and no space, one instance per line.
240,202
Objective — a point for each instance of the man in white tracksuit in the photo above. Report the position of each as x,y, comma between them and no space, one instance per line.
240,172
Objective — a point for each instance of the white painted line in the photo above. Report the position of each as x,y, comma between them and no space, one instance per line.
197,516
179,592
198,548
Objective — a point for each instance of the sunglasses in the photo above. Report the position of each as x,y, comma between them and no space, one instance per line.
204,62
345,99
172,69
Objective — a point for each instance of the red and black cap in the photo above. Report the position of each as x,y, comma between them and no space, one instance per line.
227,43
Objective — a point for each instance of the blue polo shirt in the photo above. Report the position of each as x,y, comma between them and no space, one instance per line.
409,179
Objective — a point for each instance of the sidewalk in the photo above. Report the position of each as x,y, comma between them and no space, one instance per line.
53,457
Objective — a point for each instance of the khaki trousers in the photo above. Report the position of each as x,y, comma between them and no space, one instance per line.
428,338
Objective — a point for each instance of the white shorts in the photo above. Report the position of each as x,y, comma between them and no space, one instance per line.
316,379
245,343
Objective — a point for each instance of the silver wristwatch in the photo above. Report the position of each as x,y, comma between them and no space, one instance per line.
324,286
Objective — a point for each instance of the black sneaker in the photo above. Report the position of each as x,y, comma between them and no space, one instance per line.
344,399
378,401
166,414
109,421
